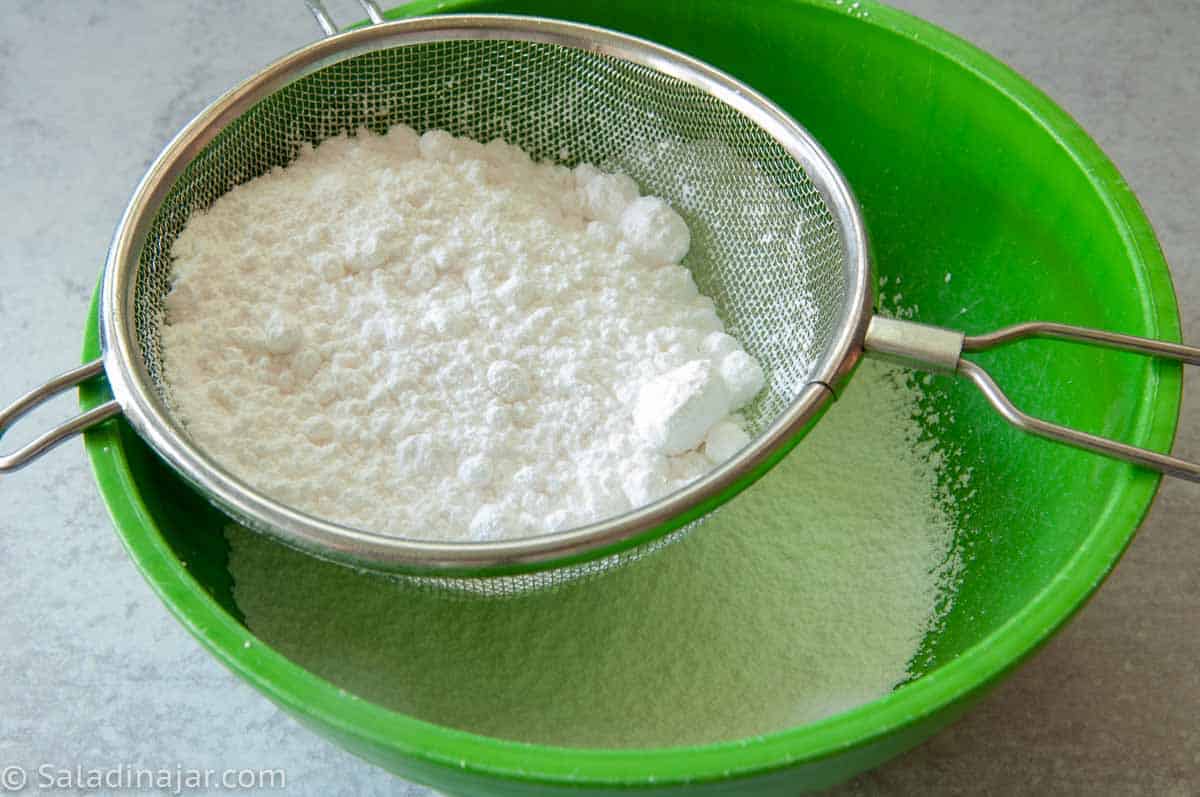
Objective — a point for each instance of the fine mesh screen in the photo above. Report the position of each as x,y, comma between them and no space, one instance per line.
764,245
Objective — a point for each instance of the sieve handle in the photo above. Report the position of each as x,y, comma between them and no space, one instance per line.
23,456
936,349
329,27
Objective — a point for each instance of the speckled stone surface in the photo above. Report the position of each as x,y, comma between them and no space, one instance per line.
97,673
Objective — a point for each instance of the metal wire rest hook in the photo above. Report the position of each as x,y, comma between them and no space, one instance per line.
23,456
329,27
373,12
321,15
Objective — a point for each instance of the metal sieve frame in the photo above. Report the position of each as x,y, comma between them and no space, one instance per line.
510,567
138,398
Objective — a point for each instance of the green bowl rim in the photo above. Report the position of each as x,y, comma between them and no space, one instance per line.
305,694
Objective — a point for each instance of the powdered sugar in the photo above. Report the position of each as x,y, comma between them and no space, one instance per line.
436,338
673,412
816,590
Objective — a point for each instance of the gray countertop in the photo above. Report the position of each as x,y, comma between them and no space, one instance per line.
97,673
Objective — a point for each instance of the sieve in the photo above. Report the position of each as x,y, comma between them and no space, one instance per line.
778,243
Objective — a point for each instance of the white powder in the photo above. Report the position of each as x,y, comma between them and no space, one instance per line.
810,593
436,338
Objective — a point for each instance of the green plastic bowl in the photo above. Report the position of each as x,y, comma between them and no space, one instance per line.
962,167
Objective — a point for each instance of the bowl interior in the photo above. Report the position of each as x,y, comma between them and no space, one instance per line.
986,205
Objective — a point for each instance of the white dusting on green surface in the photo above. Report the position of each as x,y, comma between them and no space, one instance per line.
805,596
